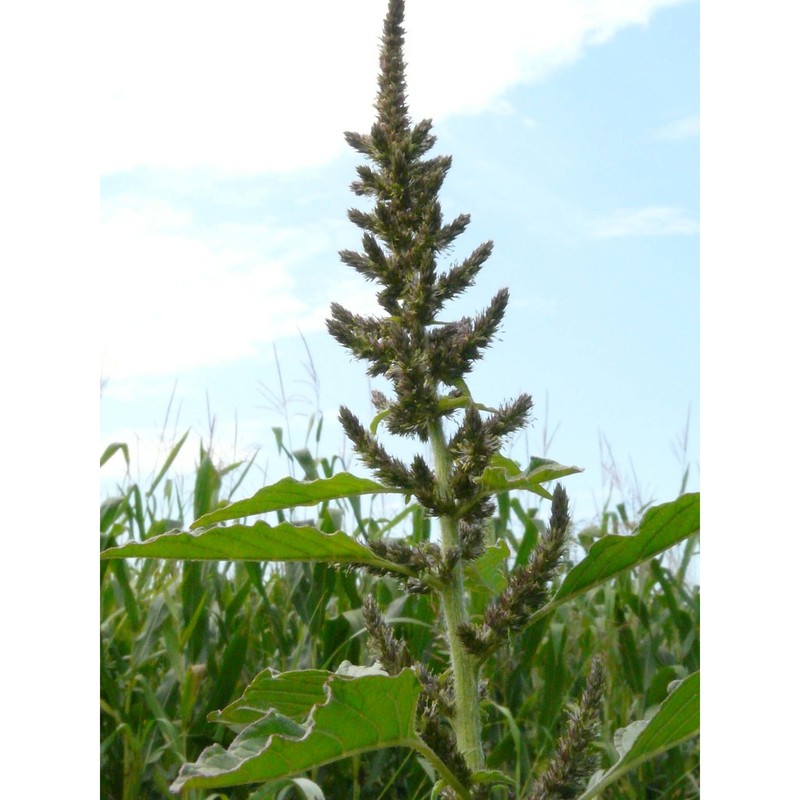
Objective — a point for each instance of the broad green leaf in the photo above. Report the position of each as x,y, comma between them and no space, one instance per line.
257,542
357,715
491,776
661,681
500,461
305,719
446,404
290,694
677,720
486,572
662,527
503,475
289,493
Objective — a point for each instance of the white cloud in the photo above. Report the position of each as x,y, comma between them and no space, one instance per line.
265,87
651,221
253,86
174,299
680,129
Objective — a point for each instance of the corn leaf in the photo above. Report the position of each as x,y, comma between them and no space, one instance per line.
111,449
173,454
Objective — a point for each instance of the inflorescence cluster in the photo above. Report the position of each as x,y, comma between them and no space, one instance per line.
425,359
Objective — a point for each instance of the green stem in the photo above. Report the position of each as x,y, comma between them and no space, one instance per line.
440,767
467,717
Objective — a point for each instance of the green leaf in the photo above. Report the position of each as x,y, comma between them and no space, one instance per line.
257,542
357,715
677,720
304,458
493,776
305,719
662,527
503,475
446,404
111,449
109,510
289,493
309,789
206,486
173,454
486,572
377,419
290,694
532,527
660,683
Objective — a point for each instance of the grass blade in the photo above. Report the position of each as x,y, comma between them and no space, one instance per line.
111,449
173,454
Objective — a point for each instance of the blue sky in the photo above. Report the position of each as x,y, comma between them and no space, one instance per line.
573,128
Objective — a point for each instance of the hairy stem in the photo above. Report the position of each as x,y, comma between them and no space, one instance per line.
467,717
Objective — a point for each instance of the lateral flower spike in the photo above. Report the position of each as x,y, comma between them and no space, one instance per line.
574,760
528,586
